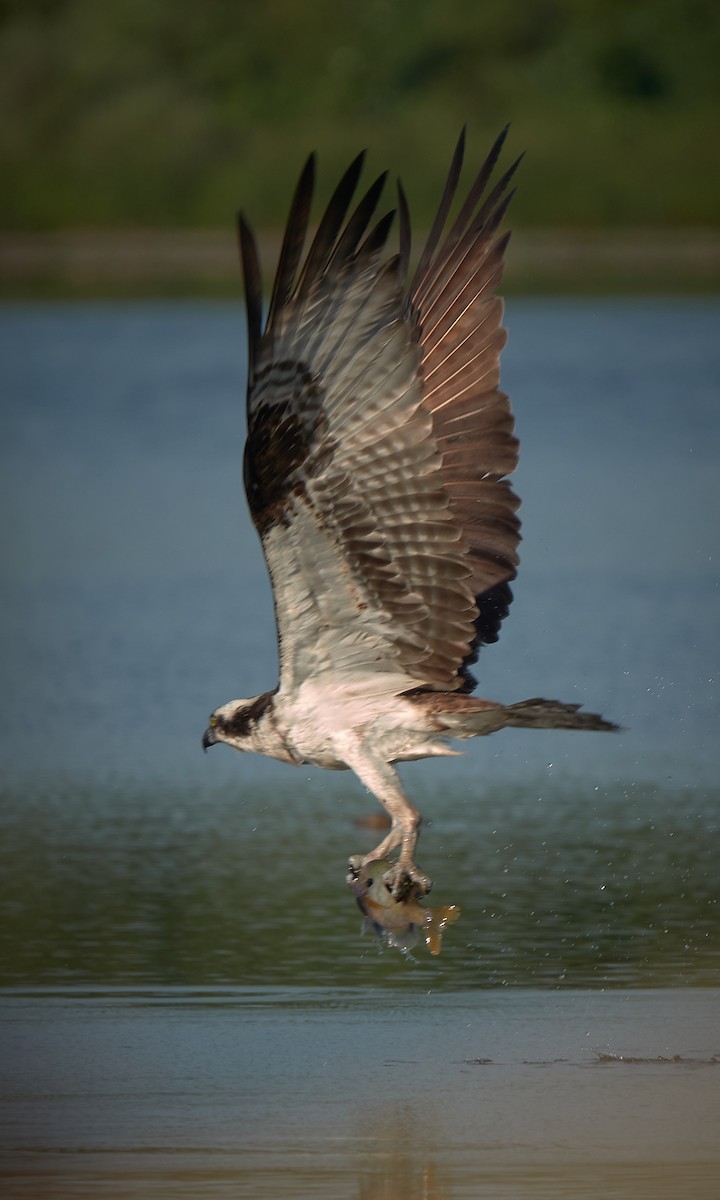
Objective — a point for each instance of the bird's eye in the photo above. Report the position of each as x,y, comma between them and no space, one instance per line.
213,721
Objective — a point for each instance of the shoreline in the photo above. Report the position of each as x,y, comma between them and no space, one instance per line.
165,263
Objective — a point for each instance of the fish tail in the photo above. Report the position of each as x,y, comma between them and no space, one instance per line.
438,919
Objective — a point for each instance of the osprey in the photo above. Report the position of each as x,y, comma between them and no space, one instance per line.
377,452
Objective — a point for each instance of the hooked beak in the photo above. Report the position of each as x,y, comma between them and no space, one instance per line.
208,740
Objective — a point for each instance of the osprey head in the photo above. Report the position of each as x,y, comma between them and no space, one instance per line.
236,723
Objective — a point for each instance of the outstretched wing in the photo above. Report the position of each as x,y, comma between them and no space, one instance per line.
370,516
459,322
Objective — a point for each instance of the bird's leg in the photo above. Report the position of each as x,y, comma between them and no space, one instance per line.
383,781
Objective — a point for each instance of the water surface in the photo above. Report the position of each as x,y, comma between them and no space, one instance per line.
286,1092
189,1007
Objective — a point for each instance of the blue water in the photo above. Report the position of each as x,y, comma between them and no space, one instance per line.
135,600
335,1094
155,900
135,596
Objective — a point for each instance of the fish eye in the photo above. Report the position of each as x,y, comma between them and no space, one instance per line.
369,882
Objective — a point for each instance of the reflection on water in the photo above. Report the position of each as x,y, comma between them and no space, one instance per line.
347,1094
164,887
406,1176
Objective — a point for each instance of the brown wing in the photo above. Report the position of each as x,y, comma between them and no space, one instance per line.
458,319
354,481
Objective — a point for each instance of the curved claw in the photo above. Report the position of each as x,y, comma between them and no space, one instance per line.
406,881
355,866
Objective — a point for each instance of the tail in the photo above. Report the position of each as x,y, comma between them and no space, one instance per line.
436,922
458,715
553,714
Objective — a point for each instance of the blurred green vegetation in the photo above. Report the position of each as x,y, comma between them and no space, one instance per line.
170,112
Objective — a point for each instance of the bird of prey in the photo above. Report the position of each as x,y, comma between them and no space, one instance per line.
377,453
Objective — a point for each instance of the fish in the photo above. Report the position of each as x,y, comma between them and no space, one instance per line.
398,917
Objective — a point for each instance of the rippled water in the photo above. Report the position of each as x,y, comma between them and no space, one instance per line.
158,886
134,601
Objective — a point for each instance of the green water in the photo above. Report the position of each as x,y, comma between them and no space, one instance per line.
580,888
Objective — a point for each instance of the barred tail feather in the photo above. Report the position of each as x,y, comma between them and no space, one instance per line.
456,714
553,714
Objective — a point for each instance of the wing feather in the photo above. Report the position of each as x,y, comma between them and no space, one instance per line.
252,280
358,223
293,241
324,241
442,213
458,319
378,439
